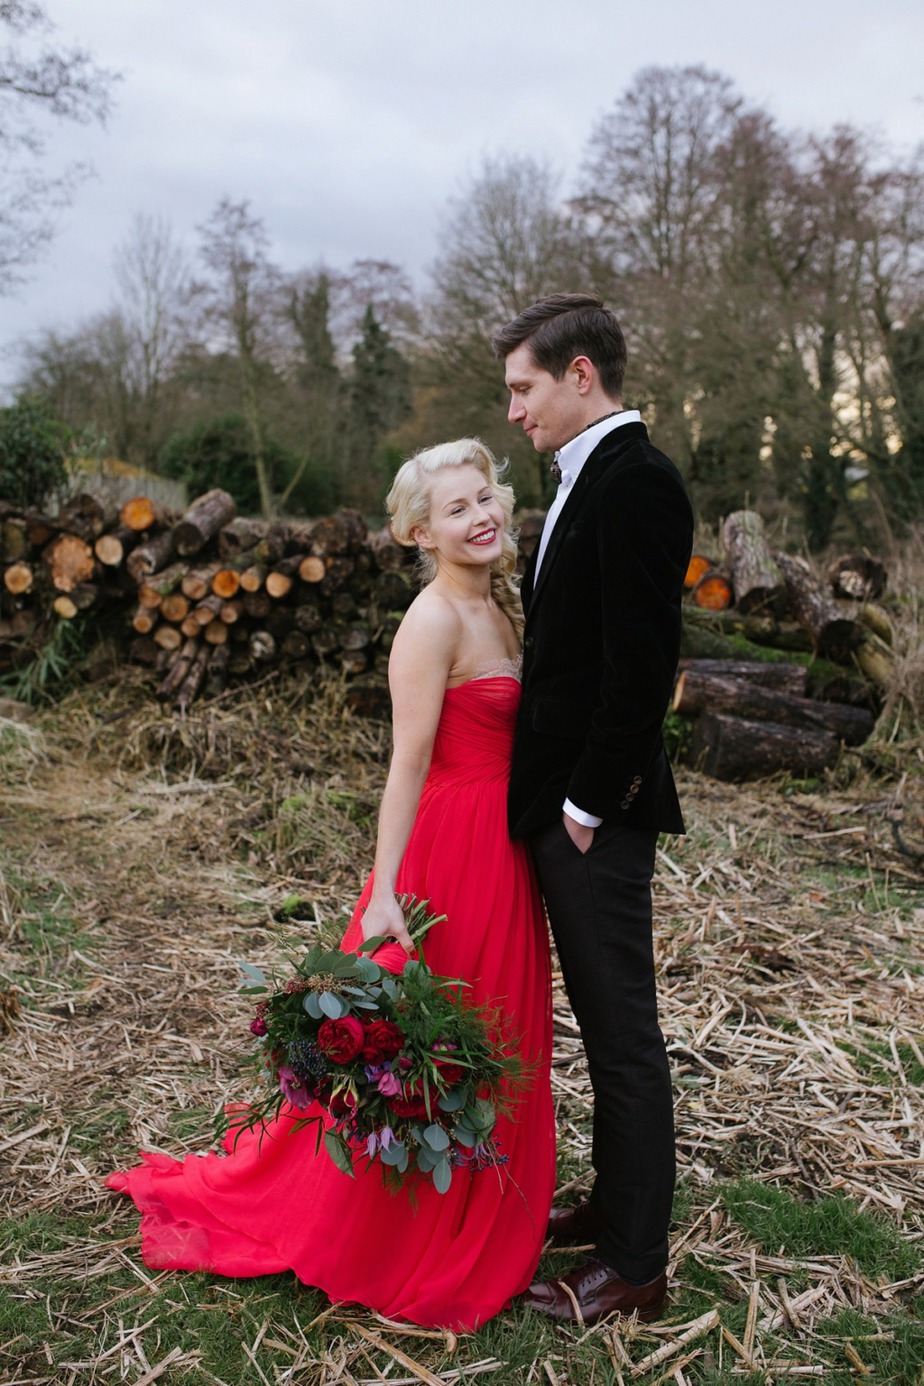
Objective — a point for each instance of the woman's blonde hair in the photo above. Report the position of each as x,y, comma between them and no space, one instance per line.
408,504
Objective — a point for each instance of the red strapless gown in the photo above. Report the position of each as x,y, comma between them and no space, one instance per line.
454,1259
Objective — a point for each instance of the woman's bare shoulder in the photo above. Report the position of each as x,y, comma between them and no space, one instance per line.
430,630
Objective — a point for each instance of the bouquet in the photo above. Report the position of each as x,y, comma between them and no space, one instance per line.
403,1068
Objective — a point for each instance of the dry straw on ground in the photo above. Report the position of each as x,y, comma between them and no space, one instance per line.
789,944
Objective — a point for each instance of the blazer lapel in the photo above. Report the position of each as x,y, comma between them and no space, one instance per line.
606,454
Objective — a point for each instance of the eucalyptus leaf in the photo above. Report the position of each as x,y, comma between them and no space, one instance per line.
331,1005
436,1138
394,1155
426,1159
442,1176
312,1005
465,1136
451,1102
367,969
253,973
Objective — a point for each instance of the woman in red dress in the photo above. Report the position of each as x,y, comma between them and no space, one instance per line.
271,1203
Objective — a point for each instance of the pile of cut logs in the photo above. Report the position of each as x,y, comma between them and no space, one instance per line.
754,717
209,595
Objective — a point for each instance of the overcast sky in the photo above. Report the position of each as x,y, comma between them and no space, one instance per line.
349,125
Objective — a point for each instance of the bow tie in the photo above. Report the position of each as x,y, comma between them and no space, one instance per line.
561,477
557,475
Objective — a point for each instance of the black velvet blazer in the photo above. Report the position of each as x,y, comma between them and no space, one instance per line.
601,644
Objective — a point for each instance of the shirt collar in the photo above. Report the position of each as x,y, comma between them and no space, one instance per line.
573,455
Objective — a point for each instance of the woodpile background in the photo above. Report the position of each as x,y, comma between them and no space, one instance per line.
208,596
821,656
779,670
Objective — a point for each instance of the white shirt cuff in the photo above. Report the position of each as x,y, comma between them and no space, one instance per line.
587,820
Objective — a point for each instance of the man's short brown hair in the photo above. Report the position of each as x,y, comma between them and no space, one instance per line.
562,326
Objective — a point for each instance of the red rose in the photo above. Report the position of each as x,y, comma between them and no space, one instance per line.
449,1074
408,1106
341,1040
381,1041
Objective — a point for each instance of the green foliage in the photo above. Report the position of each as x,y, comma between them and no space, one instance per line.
55,667
217,453
831,1227
32,449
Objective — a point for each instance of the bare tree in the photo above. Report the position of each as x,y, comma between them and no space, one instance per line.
37,83
243,307
155,290
506,239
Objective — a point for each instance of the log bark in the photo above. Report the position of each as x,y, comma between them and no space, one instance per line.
834,633
388,555
272,547
696,692
758,582
733,749
239,535
151,556
216,674
194,676
14,538
253,577
788,678
198,582
340,534
257,605
154,587
86,516
202,521
145,619
177,669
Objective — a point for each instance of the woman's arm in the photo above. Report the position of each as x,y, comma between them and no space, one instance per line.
418,668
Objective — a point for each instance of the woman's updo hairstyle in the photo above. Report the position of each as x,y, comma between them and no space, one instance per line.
408,505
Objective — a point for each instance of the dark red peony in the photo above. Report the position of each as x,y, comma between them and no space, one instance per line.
449,1073
341,1040
382,1040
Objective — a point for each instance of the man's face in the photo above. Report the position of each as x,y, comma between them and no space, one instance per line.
550,411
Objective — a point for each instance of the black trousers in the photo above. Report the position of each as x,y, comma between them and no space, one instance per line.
599,906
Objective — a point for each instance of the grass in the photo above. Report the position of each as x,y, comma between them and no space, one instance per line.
142,856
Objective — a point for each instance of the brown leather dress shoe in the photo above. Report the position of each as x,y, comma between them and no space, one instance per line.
596,1290
581,1223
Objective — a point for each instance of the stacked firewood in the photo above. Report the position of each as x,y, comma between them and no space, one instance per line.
208,595
754,717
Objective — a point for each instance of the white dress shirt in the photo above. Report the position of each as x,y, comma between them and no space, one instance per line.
571,459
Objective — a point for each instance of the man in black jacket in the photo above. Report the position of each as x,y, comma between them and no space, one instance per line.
591,786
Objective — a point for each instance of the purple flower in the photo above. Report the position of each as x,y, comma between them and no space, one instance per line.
293,1089
389,1084
386,1136
372,1145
